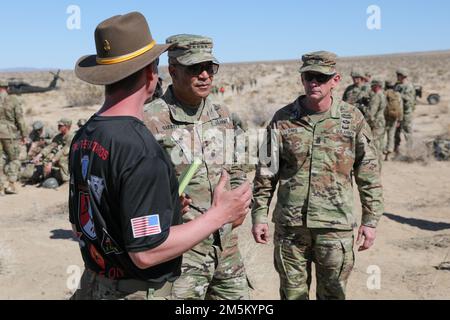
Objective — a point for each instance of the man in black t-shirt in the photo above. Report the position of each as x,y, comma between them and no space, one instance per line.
123,203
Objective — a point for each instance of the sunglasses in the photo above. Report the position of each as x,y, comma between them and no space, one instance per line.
198,68
319,77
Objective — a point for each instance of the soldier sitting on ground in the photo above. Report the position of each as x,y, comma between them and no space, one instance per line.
39,138
53,160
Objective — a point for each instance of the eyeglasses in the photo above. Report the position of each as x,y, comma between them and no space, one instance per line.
197,69
319,77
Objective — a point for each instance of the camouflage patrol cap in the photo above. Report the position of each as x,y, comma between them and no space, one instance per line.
356,73
320,61
377,82
3,84
190,49
38,125
65,122
403,72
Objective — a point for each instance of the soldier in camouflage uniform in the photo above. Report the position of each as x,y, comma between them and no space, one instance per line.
189,126
375,116
39,138
54,159
357,94
12,129
406,89
317,144
393,115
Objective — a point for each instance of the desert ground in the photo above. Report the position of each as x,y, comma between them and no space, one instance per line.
410,258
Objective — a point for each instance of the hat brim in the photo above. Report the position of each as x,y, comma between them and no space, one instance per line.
189,61
318,69
88,70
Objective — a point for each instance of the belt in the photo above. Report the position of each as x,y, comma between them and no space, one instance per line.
162,289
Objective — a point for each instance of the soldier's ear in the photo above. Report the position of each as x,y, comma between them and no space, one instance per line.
335,81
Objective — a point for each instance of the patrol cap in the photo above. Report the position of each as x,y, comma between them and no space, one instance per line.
190,49
356,73
38,125
65,122
320,61
3,84
377,82
402,72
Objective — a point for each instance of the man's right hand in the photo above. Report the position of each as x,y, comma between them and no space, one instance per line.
260,233
234,204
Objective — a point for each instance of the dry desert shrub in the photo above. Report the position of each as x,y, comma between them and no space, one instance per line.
84,95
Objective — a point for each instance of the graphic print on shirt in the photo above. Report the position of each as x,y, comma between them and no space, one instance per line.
85,216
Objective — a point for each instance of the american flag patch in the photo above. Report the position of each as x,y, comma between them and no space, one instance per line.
145,226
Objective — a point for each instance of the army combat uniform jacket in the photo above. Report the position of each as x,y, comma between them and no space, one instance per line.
186,137
12,123
314,167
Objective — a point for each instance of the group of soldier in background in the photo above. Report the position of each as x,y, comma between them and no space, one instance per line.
387,107
36,156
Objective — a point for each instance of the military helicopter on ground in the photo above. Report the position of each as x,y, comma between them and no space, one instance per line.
20,87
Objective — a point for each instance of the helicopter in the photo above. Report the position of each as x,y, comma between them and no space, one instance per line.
21,87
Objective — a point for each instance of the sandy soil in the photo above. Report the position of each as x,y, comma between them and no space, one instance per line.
412,251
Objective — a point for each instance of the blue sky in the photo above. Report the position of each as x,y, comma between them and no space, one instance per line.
34,34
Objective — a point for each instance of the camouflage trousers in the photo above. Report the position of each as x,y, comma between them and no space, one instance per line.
296,248
406,129
95,287
391,128
9,160
213,276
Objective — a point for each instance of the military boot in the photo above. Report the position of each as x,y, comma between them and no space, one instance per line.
2,191
11,188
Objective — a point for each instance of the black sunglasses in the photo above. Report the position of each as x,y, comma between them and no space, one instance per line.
319,77
198,68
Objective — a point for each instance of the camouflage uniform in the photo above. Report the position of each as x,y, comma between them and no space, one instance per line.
12,128
392,122
214,268
313,160
358,96
242,142
57,153
39,137
375,119
409,103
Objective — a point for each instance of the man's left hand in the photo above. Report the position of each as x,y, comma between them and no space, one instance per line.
366,237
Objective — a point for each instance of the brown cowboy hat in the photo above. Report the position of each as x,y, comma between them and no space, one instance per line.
124,46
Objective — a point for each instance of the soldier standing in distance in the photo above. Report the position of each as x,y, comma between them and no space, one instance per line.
12,129
406,89
375,117
317,143
393,115
188,125
357,93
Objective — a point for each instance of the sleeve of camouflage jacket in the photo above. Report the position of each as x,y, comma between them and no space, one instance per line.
237,175
266,179
409,96
20,122
367,176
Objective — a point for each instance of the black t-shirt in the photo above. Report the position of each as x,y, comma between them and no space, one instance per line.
123,197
